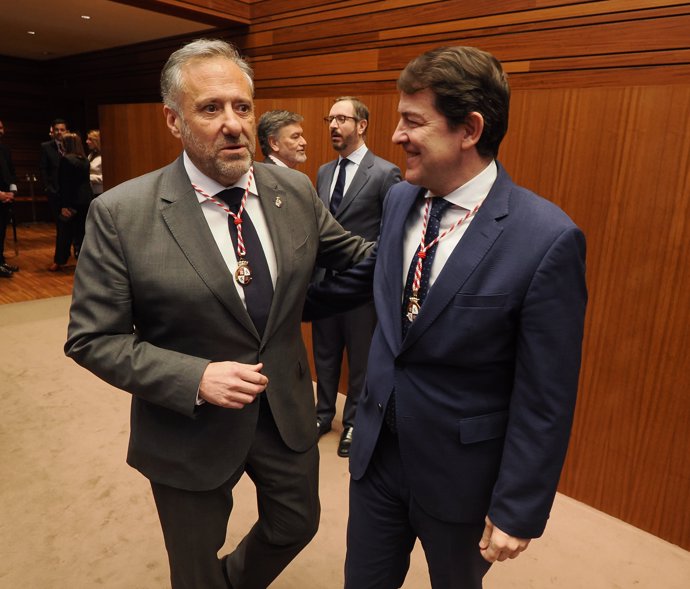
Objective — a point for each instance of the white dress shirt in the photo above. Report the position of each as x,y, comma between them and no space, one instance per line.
462,199
278,162
350,170
217,220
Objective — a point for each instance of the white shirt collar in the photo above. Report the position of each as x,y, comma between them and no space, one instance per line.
474,191
278,162
209,185
357,155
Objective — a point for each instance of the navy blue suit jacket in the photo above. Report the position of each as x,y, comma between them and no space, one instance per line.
486,377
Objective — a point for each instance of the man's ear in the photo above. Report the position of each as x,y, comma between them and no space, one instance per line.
362,126
173,121
473,128
273,144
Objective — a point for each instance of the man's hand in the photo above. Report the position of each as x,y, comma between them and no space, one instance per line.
6,197
497,545
231,384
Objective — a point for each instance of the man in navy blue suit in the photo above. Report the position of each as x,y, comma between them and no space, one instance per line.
479,287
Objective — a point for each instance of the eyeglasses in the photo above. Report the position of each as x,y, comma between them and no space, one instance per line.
340,119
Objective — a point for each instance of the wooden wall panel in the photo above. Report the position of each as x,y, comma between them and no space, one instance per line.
135,140
599,124
618,161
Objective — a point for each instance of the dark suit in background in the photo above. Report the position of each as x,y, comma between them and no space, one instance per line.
51,153
360,213
49,165
75,194
357,208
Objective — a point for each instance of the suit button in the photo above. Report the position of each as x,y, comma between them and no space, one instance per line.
380,407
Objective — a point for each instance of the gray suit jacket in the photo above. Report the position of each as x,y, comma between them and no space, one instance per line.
154,303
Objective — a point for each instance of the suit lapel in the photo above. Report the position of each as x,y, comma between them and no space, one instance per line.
324,182
279,226
182,214
468,253
391,263
358,182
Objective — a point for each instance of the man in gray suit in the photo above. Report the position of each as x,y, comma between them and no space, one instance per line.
281,138
353,186
193,306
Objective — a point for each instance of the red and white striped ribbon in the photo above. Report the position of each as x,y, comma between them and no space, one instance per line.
424,248
237,218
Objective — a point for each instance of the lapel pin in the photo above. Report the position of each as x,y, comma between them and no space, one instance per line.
279,202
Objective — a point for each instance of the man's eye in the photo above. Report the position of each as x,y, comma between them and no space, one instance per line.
244,108
210,108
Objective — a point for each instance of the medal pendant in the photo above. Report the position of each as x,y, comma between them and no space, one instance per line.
243,274
412,309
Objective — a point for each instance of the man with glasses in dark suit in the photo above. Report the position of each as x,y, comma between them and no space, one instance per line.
353,186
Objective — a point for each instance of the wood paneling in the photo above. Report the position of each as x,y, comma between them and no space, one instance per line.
599,124
140,132
618,161
212,12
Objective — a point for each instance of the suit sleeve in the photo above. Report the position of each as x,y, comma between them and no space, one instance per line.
544,390
338,249
393,176
344,291
102,336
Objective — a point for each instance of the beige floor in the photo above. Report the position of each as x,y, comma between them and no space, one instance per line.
73,515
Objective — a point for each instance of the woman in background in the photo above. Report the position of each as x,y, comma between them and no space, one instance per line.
74,198
93,141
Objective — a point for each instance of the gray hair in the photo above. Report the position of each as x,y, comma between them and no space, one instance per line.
171,76
271,122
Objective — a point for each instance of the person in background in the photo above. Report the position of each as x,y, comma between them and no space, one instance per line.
353,186
8,190
49,164
51,152
281,138
93,142
479,287
74,198
204,328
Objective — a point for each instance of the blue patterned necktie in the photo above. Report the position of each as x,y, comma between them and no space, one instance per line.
439,206
339,189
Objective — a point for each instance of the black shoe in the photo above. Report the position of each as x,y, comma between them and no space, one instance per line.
322,428
5,272
9,267
345,442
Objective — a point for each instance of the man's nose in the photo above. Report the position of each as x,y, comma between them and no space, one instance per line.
232,125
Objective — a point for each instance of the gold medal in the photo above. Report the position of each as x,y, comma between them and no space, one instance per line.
243,274
412,309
